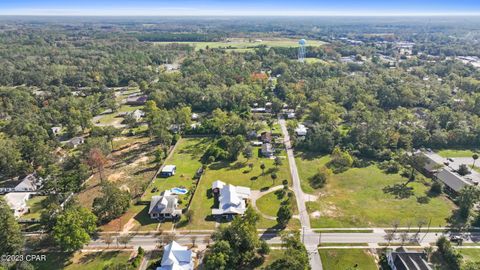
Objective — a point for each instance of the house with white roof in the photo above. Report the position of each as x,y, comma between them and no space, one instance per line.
232,200
137,114
164,206
168,170
177,257
301,130
17,201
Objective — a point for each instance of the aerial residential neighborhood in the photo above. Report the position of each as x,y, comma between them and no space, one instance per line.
257,135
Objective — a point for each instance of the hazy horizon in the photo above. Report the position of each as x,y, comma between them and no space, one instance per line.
240,8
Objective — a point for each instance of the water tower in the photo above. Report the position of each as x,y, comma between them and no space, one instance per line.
301,50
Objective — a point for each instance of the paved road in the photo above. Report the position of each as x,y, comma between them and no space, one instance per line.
151,241
309,237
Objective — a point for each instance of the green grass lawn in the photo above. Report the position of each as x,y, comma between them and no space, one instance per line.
269,205
187,159
240,44
355,199
470,254
341,259
271,257
91,261
457,152
35,207
236,173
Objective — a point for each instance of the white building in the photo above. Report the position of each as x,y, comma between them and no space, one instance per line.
177,257
231,199
301,130
17,201
168,170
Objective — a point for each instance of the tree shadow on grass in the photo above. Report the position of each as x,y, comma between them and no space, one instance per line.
143,218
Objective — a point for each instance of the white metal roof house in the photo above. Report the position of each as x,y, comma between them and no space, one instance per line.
168,170
301,130
138,114
177,257
18,202
231,199
164,206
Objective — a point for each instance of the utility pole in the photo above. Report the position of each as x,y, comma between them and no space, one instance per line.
303,234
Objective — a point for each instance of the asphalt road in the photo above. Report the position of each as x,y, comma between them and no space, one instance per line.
309,242
151,241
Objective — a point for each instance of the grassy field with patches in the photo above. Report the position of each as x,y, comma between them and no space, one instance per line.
131,166
235,173
355,198
341,259
243,44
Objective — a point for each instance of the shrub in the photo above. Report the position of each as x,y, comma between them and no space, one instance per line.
423,200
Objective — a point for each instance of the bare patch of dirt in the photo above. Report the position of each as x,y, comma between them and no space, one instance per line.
139,161
330,211
115,176
316,214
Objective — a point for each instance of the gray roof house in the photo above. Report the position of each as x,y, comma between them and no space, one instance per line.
29,183
407,260
445,171
136,99
75,141
231,199
177,257
164,206
267,150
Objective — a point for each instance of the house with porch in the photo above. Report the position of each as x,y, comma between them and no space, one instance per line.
164,207
232,200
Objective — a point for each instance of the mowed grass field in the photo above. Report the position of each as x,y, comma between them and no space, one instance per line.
243,44
341,259
269,204
90,261
186,157
452,153
355,198
470,254
236,173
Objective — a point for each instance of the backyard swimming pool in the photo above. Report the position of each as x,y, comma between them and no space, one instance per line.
179,191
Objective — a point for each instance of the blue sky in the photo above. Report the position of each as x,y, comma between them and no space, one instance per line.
244,7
